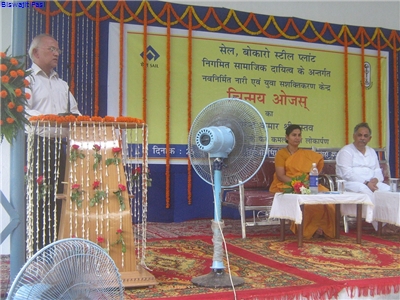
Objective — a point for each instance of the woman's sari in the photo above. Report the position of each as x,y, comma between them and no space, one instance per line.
315,216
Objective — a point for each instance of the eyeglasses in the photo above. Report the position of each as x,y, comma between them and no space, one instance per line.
54,49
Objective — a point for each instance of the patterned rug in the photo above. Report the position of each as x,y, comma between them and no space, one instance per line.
273,269
178,252
202,227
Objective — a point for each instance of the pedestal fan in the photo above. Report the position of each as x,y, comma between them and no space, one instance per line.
71,268
227,142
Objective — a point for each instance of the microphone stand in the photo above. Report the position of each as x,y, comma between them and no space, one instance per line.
68,113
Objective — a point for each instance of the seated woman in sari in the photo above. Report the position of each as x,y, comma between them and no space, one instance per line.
318,220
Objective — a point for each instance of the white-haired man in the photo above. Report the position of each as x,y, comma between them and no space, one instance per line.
50,94
358,164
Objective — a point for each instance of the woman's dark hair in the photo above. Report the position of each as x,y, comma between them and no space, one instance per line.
290,128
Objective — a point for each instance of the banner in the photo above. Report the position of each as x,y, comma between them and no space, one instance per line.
288,82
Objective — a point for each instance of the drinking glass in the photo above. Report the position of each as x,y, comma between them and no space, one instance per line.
340,185
393,184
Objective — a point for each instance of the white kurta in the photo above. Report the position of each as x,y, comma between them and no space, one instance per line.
356,168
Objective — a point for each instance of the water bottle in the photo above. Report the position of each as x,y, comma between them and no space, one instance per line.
314,179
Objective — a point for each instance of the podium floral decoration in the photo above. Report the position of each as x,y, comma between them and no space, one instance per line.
120,240
97,156
121,188
43,187
114,160
298,185
76,153
100,239
13,96
98,194
137,173
76,194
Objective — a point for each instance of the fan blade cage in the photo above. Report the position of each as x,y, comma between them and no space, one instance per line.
68,269
251,140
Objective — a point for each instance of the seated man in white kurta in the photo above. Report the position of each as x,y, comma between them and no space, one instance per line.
358,164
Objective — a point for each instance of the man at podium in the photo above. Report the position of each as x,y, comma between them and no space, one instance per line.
50,95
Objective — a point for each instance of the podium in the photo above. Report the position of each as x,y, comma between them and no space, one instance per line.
104,198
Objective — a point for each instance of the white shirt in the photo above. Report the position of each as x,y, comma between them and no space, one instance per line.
49,95
353,166
356,168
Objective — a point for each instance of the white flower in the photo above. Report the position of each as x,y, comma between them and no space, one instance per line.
305,190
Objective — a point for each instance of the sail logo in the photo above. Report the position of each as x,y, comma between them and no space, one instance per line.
152,55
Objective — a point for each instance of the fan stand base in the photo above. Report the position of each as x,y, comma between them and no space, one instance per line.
217,279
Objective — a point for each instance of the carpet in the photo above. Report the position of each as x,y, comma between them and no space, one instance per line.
179,252
273,269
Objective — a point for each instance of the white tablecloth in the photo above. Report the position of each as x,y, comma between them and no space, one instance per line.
387,207
287,206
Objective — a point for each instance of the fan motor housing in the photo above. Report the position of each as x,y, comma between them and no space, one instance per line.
218,141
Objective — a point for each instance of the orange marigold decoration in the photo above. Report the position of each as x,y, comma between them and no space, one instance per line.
14,61
168,111
12,96
83,118
5,79
109,119
346,87
189,112
97,119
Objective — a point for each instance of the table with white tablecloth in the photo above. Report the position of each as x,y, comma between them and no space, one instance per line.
290,207
387,208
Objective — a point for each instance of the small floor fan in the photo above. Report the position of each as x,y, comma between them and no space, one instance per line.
228,142
68,269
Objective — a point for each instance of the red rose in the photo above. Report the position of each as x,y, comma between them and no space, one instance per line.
75,146
76,186
100,239
122,187
96,184
96,147
119,231
39,180
116,149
